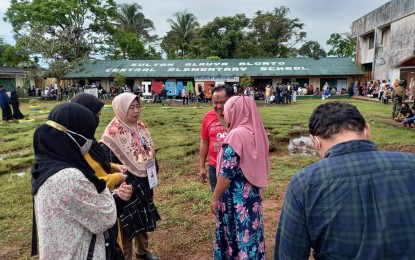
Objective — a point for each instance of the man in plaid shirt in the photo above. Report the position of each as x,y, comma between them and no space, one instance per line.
355,203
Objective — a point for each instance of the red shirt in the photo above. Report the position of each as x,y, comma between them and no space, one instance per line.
212,130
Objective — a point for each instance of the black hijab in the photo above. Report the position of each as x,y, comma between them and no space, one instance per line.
94,105
89,101
14,98
55,150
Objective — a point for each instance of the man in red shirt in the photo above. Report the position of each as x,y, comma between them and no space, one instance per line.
212,134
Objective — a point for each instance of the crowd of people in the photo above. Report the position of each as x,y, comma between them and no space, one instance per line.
383,89
97,195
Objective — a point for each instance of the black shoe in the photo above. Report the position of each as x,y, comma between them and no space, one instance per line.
148,256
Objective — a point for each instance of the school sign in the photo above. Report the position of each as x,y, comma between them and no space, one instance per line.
190,74
216,68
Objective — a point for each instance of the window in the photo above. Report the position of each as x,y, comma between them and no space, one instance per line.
384,41
371,41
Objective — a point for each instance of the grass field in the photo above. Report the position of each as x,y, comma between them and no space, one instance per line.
187,226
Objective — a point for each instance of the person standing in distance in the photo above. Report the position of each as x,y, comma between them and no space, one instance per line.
398,97
163,96
212,133
342,206
5,105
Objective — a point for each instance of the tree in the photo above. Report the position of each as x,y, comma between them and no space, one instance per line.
182,30
119,80
276,34
131,19
246,80
12,55
130,37
127,46
224,37
311,49
63,33
344,45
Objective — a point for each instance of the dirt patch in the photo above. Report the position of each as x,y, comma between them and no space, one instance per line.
193,244
398,148
9,250
19,153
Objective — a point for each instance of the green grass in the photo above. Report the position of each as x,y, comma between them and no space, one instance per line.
183,202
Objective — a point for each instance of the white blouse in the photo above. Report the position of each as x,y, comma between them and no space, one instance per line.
68,211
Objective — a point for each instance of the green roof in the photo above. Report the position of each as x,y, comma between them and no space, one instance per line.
217,68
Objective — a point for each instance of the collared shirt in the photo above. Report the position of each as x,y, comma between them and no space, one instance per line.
356,203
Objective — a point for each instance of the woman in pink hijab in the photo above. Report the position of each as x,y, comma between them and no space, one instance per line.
242,172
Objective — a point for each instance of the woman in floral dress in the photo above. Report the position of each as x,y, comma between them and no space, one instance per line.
242,172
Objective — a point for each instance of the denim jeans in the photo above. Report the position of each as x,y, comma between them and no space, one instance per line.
212,177
409,120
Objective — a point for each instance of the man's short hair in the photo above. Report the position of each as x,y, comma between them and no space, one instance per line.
229,91
335,117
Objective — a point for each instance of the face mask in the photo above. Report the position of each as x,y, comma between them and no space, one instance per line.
84,148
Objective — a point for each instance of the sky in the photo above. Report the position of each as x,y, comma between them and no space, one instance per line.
321,17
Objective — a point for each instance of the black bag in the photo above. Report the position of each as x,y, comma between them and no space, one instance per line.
112,249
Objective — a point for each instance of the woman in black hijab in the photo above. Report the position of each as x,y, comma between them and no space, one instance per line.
14,97
70,202
112,173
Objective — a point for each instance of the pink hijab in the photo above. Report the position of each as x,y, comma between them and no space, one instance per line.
248,138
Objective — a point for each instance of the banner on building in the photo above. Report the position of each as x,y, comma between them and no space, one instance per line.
221,79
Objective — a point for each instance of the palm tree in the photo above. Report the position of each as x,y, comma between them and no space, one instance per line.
183,28
130,18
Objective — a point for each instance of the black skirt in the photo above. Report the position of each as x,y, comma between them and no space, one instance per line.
16,112
139,213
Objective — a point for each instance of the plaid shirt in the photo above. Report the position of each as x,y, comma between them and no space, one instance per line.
356,203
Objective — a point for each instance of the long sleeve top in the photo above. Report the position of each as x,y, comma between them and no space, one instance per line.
111,180
356,203
68,211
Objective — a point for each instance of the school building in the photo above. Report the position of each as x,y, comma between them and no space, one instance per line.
176,74
13,77
386,41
